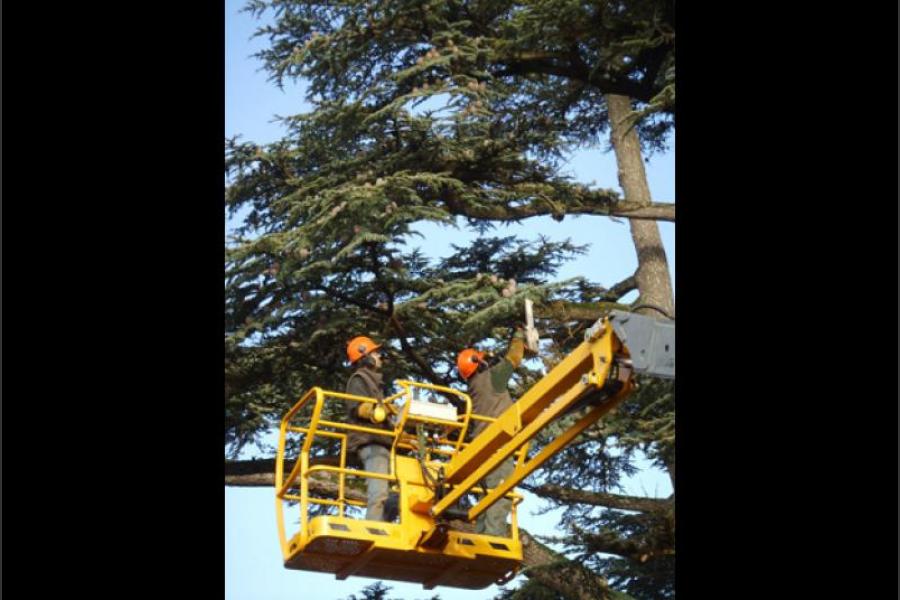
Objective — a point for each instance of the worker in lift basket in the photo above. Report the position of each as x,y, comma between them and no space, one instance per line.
373,450
490,397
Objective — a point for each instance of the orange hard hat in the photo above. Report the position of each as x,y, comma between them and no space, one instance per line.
467,362
359,347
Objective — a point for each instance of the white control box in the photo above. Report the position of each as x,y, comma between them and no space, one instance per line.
445,412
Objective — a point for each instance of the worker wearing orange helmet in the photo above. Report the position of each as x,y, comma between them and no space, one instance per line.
488,388
372,449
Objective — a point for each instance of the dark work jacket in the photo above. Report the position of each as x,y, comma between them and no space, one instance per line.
488,389
367,382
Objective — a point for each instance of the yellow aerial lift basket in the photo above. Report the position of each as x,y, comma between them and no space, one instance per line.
417,548
433,468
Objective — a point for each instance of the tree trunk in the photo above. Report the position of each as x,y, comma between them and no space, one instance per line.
654,284
653,281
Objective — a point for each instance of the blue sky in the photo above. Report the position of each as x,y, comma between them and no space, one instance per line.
253,568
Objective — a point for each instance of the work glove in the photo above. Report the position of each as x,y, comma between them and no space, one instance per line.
374,413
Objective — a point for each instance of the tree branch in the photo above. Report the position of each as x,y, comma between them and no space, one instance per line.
410,352
607,542
426,369
353,301
576,311
261,473
656,211
620,289
557,572
541,64
569,495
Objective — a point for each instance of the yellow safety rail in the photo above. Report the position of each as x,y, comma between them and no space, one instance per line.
319,426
